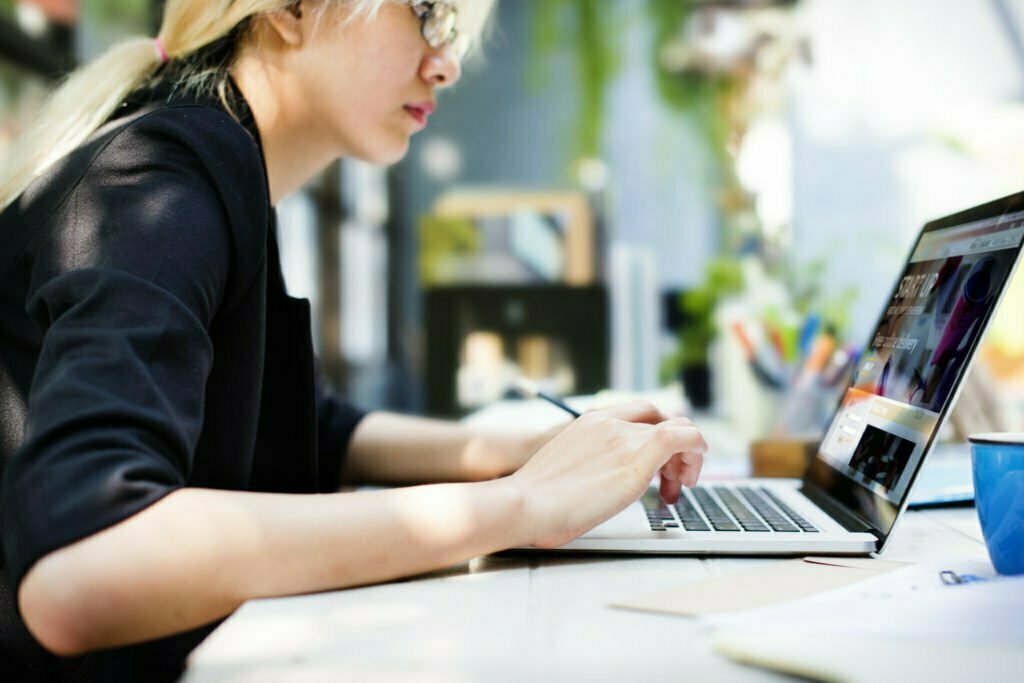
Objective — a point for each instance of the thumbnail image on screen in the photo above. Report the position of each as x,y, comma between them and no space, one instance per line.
881,456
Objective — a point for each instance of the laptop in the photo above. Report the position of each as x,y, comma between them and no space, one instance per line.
902,390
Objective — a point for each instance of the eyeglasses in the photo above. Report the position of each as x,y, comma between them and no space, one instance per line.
437,22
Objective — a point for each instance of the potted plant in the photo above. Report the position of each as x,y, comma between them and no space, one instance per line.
689,362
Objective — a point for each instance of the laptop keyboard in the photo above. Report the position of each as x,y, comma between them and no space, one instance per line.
800,521
729,510
715,514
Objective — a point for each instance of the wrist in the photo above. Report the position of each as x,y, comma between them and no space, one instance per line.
507,495
489,456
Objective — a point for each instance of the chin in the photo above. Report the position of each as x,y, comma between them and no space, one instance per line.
386,155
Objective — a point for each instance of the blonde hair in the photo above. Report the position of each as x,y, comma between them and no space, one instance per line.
78,107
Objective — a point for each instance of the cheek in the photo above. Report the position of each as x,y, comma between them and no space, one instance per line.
361,109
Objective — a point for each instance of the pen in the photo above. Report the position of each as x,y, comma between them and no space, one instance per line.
775,337
758,365
808,334
531,390
951,578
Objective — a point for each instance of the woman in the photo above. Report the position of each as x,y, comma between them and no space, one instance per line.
160,423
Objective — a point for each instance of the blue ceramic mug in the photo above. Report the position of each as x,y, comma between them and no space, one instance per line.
999,497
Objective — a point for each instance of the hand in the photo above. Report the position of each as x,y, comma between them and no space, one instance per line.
529,444
491,456
497,455
677,473
599,464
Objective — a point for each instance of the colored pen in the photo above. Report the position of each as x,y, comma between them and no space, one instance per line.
758,365
775,336
808,334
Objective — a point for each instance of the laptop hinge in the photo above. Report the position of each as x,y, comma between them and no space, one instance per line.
839,513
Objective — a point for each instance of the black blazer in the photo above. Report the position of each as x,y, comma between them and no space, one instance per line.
146,344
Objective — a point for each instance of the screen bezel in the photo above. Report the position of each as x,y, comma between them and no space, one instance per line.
825,480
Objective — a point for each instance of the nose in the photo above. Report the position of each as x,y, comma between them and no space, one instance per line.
441,68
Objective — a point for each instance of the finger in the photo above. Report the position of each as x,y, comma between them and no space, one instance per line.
668,439
671,468
682,469
636,411
669,486
676,413
690,466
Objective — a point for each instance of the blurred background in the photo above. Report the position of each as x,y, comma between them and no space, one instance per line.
634,194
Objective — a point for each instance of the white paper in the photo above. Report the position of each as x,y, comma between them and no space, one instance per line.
911,603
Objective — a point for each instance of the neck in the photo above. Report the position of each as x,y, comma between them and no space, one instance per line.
293,149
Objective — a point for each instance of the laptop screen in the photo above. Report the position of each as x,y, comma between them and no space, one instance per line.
906,380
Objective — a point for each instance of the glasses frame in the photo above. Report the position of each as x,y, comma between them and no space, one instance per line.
433,14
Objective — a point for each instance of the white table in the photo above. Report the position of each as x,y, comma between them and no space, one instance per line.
515,618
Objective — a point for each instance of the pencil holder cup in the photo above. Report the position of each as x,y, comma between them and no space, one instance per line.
998,461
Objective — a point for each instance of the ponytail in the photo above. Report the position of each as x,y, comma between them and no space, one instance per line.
75,110
91,94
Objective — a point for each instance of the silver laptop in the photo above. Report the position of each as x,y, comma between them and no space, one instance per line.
902,390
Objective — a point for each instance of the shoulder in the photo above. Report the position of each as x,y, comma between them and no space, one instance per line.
183,151
189,139
173,192
200,166
211,134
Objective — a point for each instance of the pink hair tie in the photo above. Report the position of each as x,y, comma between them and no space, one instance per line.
161,52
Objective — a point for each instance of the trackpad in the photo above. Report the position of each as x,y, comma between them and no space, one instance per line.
630,523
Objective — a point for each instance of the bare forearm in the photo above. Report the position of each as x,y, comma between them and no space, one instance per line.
390,448
198,554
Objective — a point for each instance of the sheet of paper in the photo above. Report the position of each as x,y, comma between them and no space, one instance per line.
842,658
767,585
914,626
913,602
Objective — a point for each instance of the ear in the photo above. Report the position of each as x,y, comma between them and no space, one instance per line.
288,24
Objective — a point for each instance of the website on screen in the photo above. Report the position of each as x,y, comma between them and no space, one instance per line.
918,352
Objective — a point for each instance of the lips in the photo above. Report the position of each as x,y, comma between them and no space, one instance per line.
421,111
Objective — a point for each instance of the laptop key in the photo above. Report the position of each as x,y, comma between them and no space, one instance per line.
659,516
746,518
716,516
775,520
708,504
800,522
685,508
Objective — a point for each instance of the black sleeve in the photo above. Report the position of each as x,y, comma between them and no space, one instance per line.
336,421
126,277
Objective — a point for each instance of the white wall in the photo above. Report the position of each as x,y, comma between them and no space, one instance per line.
912,109
660,168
